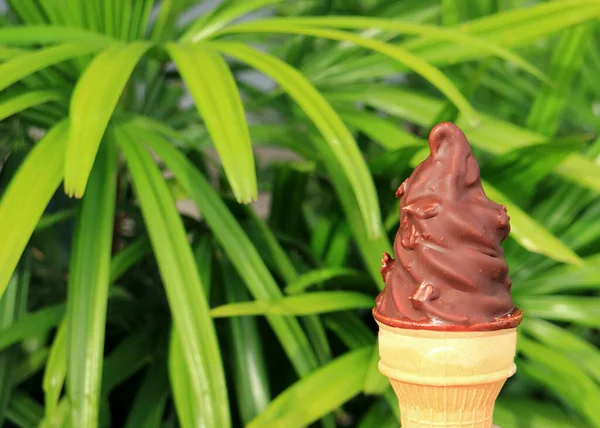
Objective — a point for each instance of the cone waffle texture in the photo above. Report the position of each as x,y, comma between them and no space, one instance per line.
446,379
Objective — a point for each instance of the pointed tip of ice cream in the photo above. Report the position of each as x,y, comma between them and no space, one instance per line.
446,132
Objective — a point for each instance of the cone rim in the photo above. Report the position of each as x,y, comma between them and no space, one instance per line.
462,380
508,321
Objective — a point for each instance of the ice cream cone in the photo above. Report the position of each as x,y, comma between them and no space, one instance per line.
446,378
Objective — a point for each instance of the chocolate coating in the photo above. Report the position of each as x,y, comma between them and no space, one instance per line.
449,271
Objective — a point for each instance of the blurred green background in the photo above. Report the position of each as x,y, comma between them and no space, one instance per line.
140,289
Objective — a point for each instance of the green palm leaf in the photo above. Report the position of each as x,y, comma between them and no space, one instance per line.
228,11
384,132
166,18
149,404
568,381
28,11
510,412
23,65
580,170
31,324
545,114
325,119
431,74
366,244
250,372
88,289
525,26
238,247
563,279
580,310
531,234
56,370
378,415
583,353
287,270
57,13
131,354
363,23
375,382
194,327
26,100
38,177
128,257
512,28
216,95
318,276
94,99
126,20
319,393
76,12
60,418
12,306
24,411
48,34
302,304
181,385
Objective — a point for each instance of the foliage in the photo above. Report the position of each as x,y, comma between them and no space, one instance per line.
121,306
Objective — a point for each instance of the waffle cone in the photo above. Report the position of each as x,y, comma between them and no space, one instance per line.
446,379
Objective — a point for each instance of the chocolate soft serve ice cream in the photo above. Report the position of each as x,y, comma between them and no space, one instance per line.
447,323
449,271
